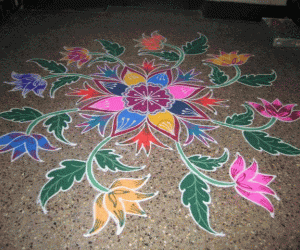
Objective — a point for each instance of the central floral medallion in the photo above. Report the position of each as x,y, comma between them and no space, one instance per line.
147,99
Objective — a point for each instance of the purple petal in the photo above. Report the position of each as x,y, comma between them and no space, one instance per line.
43,142
5,139
286,110
270,109
237,167
277,104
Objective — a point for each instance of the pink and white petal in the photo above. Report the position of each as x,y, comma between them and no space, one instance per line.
293,117
107,104
260,109
184,91
254,187
258,199
251,171
237,167
263,178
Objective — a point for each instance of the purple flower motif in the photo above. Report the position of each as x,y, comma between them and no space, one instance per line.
27,83
195,130
22,143
277,110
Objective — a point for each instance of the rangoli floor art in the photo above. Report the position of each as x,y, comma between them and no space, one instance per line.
153,104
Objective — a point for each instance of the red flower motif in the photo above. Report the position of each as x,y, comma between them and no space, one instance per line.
87,93
155,42
79,55
277,110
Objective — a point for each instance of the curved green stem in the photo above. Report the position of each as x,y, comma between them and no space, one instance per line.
111,56
37,120
199,174
181,54
89,167
234,79
68,74
266,126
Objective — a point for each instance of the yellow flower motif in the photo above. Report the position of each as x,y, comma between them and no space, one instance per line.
230,59
122,199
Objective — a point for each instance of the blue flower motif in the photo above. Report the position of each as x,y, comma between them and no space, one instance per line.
22,143
27,83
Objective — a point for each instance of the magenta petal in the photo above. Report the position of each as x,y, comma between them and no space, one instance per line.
237,167
260,109
263,179
181,92
286,110
256,188
270,109
258,199
293,117
251,171
277,104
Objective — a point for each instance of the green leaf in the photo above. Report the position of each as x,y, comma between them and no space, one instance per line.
207,163
102,59
62,82
195,196
57,124
51,66
107,160
112,48
241,119
62,179
217,76
197,46
258,80
169,56
24,114
262,141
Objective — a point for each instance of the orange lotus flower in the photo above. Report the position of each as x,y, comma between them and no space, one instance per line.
155,42
79,55
230,59
122,199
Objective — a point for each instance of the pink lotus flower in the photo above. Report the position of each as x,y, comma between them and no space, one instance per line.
277,110
251,184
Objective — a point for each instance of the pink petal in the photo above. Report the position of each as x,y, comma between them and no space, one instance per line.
114,103
263,178
260,109
286,110
237,167
258,199
270,109
293,117
251,171
277,104
255,188
181,91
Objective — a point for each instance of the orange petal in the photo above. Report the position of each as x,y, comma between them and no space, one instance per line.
101,217
131,195
134,208
130,183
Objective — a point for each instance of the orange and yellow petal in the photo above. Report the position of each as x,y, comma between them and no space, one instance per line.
101,216
130,183
131,77
133,208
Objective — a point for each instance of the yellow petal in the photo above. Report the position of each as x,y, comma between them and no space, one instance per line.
101,217
130,183
122,193
116,209
163,120
133,208
132,78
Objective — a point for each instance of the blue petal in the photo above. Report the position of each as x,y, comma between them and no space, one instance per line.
5,139
32,148
115,87
43,142
18,152
15,143
161,79
127,120
181,108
